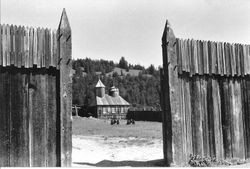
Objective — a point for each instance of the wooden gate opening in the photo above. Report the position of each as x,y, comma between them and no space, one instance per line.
35,96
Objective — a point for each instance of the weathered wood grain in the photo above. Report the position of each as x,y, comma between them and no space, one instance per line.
26,47
232,59
37,89
47,48
183,119
223,58
244,111
178,54
31,47
195,57
19,154
200,57
188,111
5,117
12,45
218,139
247,118
237,122
204,107
43,47
196,117
211,117
64,45
189,54
51,121
205,57
242,60
23,58
209,47
8,45
214,66
55,50
1,45
4,46
227,59
35,48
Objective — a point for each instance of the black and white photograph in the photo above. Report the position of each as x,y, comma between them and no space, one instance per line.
125,83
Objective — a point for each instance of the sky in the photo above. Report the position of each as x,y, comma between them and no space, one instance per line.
110,29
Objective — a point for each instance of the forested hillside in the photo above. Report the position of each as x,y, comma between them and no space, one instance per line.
142,91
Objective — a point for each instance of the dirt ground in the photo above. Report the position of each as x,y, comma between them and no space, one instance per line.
96,143
101,151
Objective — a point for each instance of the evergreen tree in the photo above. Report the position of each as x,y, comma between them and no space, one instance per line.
123,63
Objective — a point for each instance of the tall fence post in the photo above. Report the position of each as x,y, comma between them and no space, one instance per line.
172,127
64,62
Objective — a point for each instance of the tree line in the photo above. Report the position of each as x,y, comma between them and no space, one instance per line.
142,91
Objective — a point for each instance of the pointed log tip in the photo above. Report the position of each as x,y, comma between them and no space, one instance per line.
64,22
167,25
167,28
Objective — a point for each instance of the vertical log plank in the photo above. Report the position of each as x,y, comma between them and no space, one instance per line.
196,69
1,45
37,96
244,112
218,140
35,47
26,47
64,45
210,63
189,147
183,120
173,146
19,120
12,42
205,117
247,118
55,51
42,56
47,48
5,117
232,59
211,117
8,47
23,59
4,44
205,55
238,141
227,59
223,58
19,46
197,136
187,55
241,56
39,48
200,57
31,46
213,58
51,121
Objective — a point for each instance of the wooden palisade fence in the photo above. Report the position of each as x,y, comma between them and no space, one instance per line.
35,96
205,99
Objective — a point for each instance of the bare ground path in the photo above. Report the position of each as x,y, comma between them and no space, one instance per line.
98,144
100,151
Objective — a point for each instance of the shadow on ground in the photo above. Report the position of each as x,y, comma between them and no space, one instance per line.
108,163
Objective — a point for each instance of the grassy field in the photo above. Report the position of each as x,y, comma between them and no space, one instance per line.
141,129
